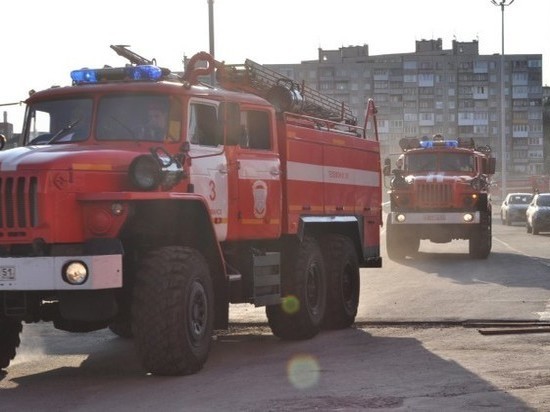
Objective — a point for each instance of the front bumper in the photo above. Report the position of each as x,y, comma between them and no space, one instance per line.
45,273
434,218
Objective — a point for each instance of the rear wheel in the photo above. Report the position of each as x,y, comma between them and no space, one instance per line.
173,310
342,268
9,340
304,291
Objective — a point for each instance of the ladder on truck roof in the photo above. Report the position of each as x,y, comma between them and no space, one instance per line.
284,93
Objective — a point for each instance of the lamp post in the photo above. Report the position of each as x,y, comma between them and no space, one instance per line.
211,35
502,4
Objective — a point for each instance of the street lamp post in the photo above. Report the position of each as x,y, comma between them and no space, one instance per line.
502,4
211,35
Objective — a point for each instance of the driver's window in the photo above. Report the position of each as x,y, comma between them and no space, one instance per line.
204,127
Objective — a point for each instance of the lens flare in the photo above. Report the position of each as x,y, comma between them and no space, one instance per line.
290,304
303,371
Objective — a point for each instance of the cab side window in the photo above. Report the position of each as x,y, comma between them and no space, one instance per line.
256,126
203,125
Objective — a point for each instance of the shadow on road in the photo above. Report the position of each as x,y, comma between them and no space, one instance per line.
251,370
495,269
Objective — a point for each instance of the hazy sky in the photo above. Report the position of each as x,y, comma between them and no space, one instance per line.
42,41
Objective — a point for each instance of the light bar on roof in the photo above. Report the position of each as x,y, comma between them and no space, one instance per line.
143,72
427,144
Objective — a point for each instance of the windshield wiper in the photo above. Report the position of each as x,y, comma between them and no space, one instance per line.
63,131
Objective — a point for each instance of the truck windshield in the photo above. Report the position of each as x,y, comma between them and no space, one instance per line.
426,162
119,117
138,117
59,121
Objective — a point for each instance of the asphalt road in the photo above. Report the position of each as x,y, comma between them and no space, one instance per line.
414,347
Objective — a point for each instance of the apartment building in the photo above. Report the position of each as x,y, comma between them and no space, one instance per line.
455,92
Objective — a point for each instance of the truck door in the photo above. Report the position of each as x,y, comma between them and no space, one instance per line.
209,169
254,173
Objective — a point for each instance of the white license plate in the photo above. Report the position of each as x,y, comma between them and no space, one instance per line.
7,273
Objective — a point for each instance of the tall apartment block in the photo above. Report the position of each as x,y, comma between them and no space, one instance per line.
455,92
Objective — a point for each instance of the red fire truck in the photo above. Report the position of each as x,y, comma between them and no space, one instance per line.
146,201
440,192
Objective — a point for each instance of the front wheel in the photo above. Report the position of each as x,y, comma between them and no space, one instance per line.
481,240
9,340
173,311
304,291
400,242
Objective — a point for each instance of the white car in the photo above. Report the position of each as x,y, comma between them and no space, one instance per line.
538,214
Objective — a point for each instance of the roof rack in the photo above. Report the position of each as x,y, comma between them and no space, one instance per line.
284,93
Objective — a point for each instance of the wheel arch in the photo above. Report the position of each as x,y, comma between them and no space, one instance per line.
318,226
186,222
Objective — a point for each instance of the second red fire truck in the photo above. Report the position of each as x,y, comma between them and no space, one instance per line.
440,191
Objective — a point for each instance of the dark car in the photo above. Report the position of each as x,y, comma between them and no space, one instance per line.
514,206
538,214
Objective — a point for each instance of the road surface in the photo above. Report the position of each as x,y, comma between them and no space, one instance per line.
409,350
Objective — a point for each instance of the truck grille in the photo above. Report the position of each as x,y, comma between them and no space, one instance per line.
434,194
18,203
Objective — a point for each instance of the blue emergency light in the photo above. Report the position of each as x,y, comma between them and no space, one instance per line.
428,144
143,72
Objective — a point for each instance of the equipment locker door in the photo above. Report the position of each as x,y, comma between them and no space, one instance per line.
254,175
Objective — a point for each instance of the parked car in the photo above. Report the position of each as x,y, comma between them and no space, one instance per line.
513,207
538,214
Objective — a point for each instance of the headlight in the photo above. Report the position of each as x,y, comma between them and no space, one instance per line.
468,217
145,172
75,272
160,169
400,217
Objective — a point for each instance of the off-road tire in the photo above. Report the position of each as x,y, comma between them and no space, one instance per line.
398,244
481,240
342,267
9,340
173,311
304,292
